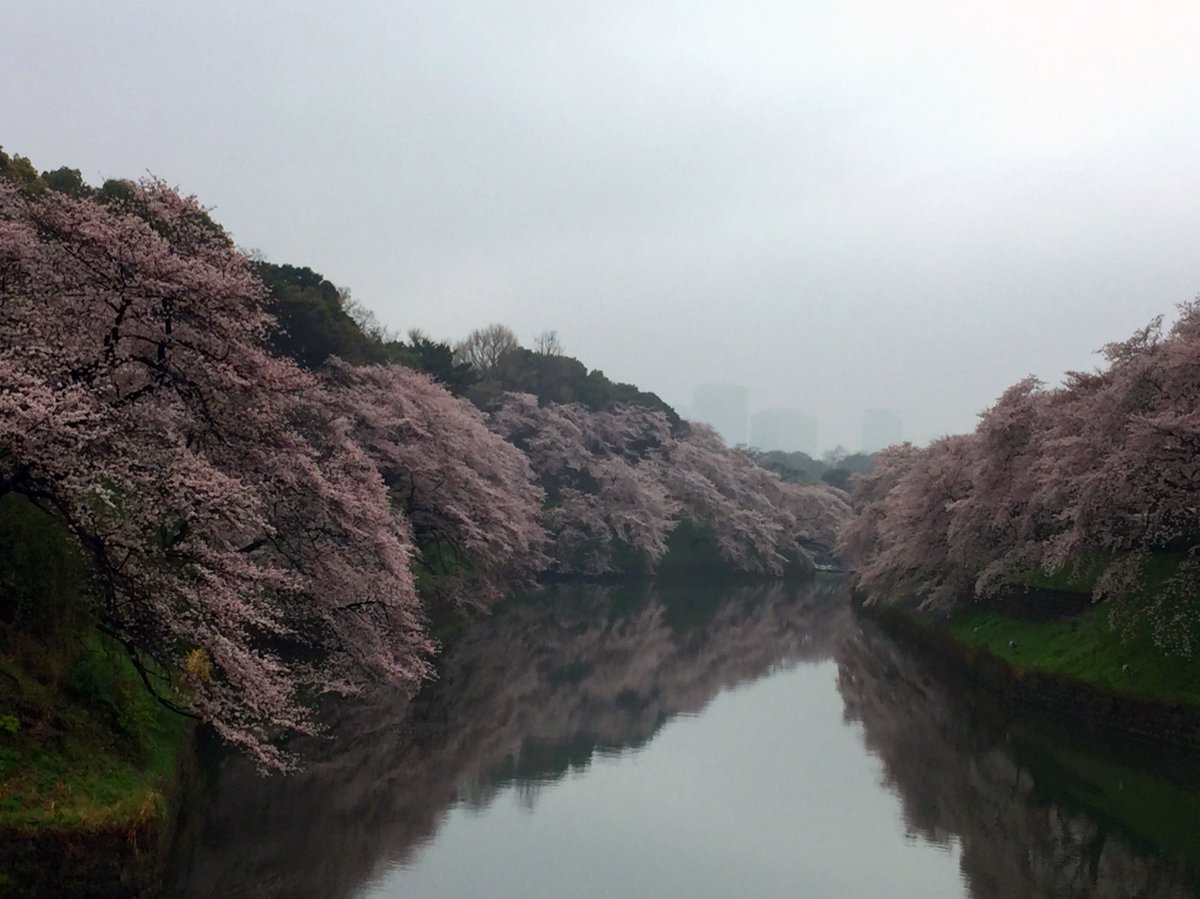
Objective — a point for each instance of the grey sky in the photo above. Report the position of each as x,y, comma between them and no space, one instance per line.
842,205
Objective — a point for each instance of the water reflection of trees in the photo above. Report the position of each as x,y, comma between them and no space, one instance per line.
534,691
990,779
544,686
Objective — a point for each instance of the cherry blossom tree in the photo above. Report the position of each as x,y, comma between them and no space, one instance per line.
899,538
1001,530
1135,490
1096,476
236,532
253,526
623,478
603,477
741,503
466,492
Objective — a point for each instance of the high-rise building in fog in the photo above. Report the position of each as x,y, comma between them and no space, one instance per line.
881,427
783,429
726,407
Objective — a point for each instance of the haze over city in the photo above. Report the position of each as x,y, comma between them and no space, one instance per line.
841,206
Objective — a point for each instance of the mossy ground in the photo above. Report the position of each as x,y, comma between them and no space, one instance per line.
88,752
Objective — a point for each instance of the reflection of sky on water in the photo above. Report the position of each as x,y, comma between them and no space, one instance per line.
765,793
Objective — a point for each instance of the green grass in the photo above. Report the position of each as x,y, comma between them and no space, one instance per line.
1085,648
83,747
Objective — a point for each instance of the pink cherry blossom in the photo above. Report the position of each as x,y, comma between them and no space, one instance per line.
230,519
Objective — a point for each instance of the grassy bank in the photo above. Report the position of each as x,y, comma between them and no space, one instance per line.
1077,668
1085,649
1047,623
88,752
88,765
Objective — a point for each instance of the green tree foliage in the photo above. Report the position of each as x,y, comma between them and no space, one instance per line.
435,358
19,171
835,469
842,466
313,321
116,190
67,181
42,573
563,379
796,467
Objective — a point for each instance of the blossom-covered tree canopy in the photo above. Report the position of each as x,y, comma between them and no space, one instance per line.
762,524
623,479
232,524
602,472
463,489
1099,474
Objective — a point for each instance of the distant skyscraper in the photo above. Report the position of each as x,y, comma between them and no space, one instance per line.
783,429
881,427
726,407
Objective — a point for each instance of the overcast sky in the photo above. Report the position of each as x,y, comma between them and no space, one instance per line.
842,205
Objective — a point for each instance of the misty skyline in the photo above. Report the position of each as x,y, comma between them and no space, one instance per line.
842,206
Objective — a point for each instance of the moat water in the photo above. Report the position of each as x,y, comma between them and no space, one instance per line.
694,741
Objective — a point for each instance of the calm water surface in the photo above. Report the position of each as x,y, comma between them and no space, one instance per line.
694,741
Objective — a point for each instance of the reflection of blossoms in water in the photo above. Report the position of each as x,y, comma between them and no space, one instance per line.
544,687
960,780
523,697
